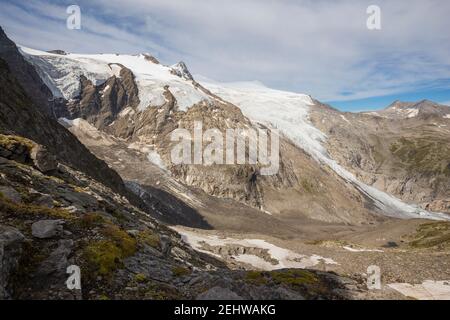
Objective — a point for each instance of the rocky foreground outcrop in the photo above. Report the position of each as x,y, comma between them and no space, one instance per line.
52,220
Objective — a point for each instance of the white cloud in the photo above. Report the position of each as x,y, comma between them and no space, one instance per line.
318,47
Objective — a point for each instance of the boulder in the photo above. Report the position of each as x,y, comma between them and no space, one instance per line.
44,200
43,159
44,229
11,194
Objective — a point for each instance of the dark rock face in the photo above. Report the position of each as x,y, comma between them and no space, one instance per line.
10,250
218,293
101,104
20,115
26,74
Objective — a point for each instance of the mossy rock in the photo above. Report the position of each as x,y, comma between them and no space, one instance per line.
149,238
12,143
19,210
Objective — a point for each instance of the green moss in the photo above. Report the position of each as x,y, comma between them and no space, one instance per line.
434,234
102,257
180,271
256,278
149,238
21,209
123,240
92,219
294,277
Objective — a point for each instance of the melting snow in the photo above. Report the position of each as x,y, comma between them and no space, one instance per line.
361,249
412,113
428,290
286,258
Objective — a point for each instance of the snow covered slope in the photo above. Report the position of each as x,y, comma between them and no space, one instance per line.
61,73
288,112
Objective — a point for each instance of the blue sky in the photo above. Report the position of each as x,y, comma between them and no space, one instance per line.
319,47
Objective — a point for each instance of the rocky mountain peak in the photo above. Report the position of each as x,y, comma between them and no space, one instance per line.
180,69
151,58
58,51
423,108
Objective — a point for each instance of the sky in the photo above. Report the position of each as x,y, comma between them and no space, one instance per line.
318,47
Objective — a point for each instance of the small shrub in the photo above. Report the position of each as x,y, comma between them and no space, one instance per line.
180,271
149,238
102,257
123,240
140,277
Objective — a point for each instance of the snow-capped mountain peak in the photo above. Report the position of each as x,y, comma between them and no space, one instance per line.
62,73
